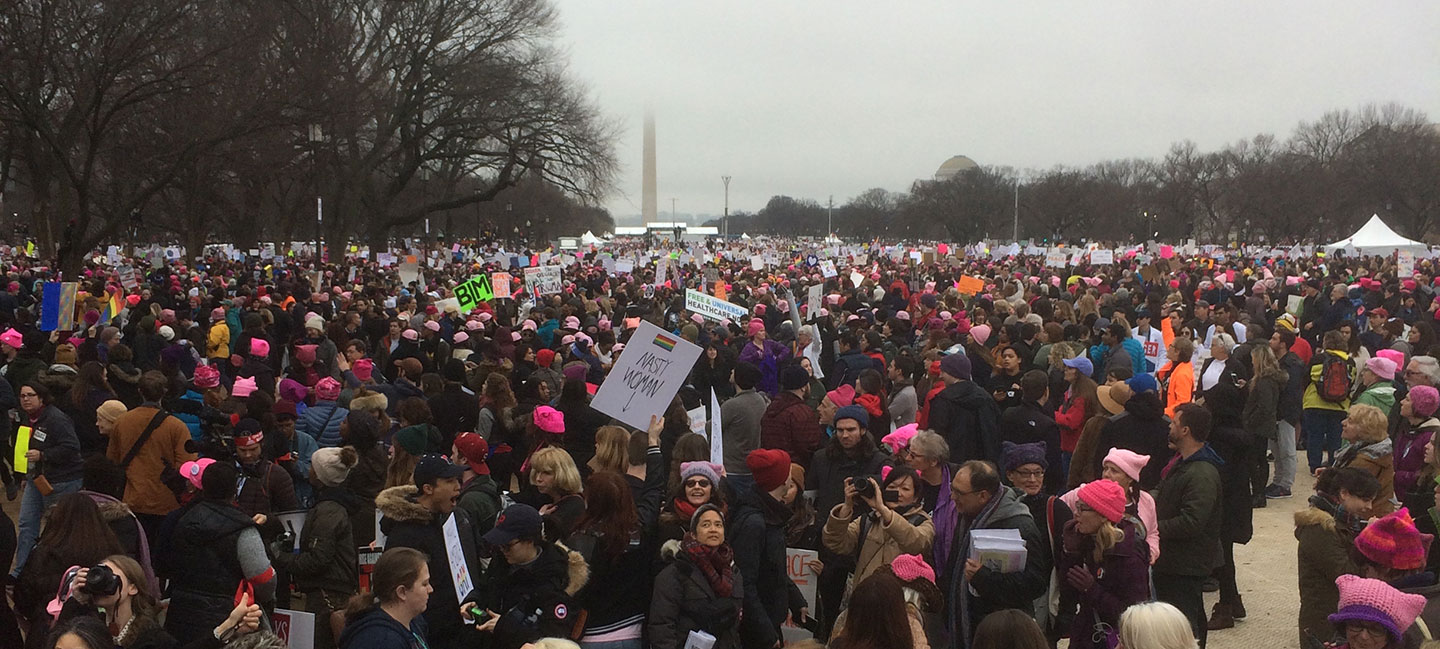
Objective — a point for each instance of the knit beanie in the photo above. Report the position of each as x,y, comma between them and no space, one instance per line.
770,467
332,465
549,420
414,439
1018,455
909,567
981,333
1106,497
243,387
1372,600
306,353
956,365
1424,400
363,369
842,396
900,438
1396,356
206,377
1129,462
259,347
327,389
1394,542
1381,367
701,468
110,411
793,377
854,412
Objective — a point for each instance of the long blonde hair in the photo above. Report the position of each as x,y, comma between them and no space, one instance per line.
611,444
1106,537
1265,364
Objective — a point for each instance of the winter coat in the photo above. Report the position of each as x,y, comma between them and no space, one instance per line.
266,489
260,370
756,531
791,426
1234,446
1312,400
848,367
874,543
1188,514
408,524
1293,394
144,491
366,480
480,498
684,601
1122,578
322,423
1028,423
53,434
826,476
536,600
1376,459
1381,395
456,411
1144,510
205,557
1323,554
768,360
1262,406
967,417
1410,458
1142,428
375,629
989,591
327,559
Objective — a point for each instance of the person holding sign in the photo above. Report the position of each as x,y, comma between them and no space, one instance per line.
324,567
54,469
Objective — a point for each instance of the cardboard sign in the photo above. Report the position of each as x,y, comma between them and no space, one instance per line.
1102,257
812,301
500,284
474,291
827,269
293,522
856,278
1055,258
797,567
455,552
717,436
295,628
1405,264
713,308
969,285
757,262
543,280
646,376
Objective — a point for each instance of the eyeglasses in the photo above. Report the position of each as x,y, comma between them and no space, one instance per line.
1368,628
1031,474
697,482
29,395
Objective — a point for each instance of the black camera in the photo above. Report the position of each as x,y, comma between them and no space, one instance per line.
864,488
101,581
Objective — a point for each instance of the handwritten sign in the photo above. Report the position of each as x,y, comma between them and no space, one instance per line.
500,284
812,301
1055,258
712,307
455,552
1405,264
294,628
970,285
827,269
474,291
544,280
798,564
646,376
1102,257
717,436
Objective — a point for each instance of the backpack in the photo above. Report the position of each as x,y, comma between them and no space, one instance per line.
1336,380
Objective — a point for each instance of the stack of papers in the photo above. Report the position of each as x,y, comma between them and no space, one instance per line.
998,550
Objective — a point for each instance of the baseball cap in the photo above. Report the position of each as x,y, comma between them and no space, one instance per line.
476,451
516,521
433,466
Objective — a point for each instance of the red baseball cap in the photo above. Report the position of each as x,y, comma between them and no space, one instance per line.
476,450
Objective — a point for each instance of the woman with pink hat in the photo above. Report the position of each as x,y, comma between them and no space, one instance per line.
1123,467
765,354
1104,563
1416,464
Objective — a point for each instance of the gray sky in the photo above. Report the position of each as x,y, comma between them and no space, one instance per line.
812,98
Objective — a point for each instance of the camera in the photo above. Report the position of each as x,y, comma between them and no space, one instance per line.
864,488
101,581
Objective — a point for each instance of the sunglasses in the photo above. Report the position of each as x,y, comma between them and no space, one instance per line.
697,482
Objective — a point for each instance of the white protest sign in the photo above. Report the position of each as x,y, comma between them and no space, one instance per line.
1405,264
646,376
856,278
544,280
379,533
827,269
698,422
812,301
1102,257
409,272
294,628
293,522
1056,258
625,266
713,307
757,262
455,552
798,564
1078,258
500,284
717,437
660,265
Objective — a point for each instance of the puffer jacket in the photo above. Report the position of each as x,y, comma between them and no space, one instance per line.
327,559
792,426
684,601
1188,512
1323,553
536,600
322,423
1376,459
375,629
408,524
910,532
1122,578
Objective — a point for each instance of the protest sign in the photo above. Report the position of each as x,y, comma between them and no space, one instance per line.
409,271
1055,258
474,291
57,306
500,284
543,280
827,269
812,301
459,570
713,308
799,566
856,278
646,376
293,522
757,262
625,266
294,628
22,446
1405,264
1102,257
1167,252
969,285
661,265
1294,304
717,437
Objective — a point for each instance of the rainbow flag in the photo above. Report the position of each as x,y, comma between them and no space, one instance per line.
665,342
111,308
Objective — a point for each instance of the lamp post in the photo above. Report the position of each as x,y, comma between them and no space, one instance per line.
1015,231
725,220
317,135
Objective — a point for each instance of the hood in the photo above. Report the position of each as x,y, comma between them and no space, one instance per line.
340,496
113,510
967,394
1146,405
1315,516
1376,450
377,626
560,567
398,504
1207,454
1009,508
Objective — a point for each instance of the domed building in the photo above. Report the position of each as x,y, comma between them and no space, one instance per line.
954,167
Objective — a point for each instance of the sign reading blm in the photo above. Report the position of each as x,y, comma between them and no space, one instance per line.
646,376
474,291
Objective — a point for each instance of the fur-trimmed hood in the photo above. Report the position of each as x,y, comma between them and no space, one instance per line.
373,401
399,504
1315,516
577,570
113,510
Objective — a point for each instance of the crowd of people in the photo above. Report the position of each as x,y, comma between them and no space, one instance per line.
1121,422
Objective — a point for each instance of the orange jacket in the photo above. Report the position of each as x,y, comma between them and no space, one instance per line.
1180,386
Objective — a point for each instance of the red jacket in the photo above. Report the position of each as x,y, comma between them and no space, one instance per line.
792,426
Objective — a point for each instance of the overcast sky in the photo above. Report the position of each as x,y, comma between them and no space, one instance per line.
812,98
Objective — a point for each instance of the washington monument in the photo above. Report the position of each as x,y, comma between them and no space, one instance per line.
647,186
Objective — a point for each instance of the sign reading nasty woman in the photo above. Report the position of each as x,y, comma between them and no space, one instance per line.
646,376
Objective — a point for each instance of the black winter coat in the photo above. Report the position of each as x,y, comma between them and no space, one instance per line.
684,601
967,417
1234,445
407,524
1142,428
1028,423
756,531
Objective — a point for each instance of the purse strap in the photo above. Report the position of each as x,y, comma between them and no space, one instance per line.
155,422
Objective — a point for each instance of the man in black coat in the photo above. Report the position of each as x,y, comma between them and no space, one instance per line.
1142,428
415,517
965,414
757,535
1029,422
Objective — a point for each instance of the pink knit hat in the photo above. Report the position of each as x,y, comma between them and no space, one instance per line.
1129,462
243,388
410,335
1396,356
1106,497
909,567
981,333
12,338
1394,542
363,369
901,437
1381,367
206,377
259,347
549,420
1372,600
1424,400
756,326
842,396
327,389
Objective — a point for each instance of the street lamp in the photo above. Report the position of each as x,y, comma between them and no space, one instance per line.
725,220
317,135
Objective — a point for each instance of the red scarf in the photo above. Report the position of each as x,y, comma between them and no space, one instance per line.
871,403
717,564
685,510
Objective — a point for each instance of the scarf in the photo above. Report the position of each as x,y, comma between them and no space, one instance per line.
871,403
685,510
715,563
1344,520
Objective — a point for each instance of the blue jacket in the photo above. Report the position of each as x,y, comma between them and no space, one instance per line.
322,423
191,420
377,630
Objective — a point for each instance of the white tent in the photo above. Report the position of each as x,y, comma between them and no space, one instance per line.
1376,238
588,239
